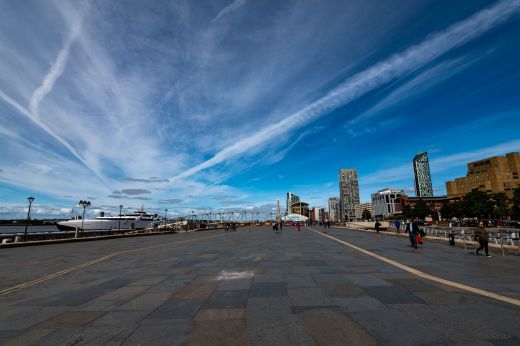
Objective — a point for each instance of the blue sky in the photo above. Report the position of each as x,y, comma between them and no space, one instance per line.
229,104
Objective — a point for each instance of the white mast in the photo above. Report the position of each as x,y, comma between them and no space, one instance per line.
278,215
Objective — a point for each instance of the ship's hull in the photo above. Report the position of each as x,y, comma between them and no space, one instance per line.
103,224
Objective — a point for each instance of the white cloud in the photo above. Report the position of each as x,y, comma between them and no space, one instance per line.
367,80
99,91
53,74
229,9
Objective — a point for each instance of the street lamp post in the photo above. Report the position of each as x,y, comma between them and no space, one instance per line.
165,215
119,223
30,199
84,204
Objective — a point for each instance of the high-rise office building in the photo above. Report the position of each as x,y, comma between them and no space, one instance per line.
348,193
422,176
334,209
291,199
492,175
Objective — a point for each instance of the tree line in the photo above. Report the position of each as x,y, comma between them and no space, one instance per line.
476,204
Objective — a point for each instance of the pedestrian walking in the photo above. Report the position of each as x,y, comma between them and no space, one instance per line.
377,225
398,226
298,227
413,229
281,225
482,236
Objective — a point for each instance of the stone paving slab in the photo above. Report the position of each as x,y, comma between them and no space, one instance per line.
28,337
392,295
167,332
85,336
308,297
228,299
340,289
268,289
340,330
177,309
358,303
257,288
220,314
219,332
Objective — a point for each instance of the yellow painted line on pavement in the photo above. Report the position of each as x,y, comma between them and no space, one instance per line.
94,261
424,275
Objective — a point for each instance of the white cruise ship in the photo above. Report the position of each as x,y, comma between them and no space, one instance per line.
136,220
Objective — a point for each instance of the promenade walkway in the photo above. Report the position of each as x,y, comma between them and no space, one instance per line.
257,287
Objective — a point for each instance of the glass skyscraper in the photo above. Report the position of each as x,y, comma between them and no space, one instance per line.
422,176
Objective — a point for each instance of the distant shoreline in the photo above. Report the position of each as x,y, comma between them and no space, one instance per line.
31,223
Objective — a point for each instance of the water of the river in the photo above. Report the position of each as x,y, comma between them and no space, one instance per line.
30,229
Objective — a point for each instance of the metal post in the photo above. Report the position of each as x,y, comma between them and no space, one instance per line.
119,223
165,215
30,199
83,217
85,204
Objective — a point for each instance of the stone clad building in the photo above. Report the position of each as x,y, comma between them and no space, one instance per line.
360,208
334,209
494,174
348,193
300,208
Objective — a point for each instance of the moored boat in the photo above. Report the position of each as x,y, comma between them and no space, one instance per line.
136,220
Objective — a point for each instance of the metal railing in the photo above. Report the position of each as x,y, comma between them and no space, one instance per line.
499,236
468,237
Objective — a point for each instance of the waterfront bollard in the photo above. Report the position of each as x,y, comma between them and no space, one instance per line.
77,232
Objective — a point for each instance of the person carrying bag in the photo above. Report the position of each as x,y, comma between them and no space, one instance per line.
482,236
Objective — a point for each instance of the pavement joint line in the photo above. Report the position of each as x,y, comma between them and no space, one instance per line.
92,262
423,275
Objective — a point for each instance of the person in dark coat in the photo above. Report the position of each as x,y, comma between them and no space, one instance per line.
397,226
413,229
483,236
377,225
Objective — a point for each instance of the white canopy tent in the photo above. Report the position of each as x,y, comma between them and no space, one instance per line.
294,218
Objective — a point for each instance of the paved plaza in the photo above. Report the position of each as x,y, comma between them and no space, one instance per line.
255,287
